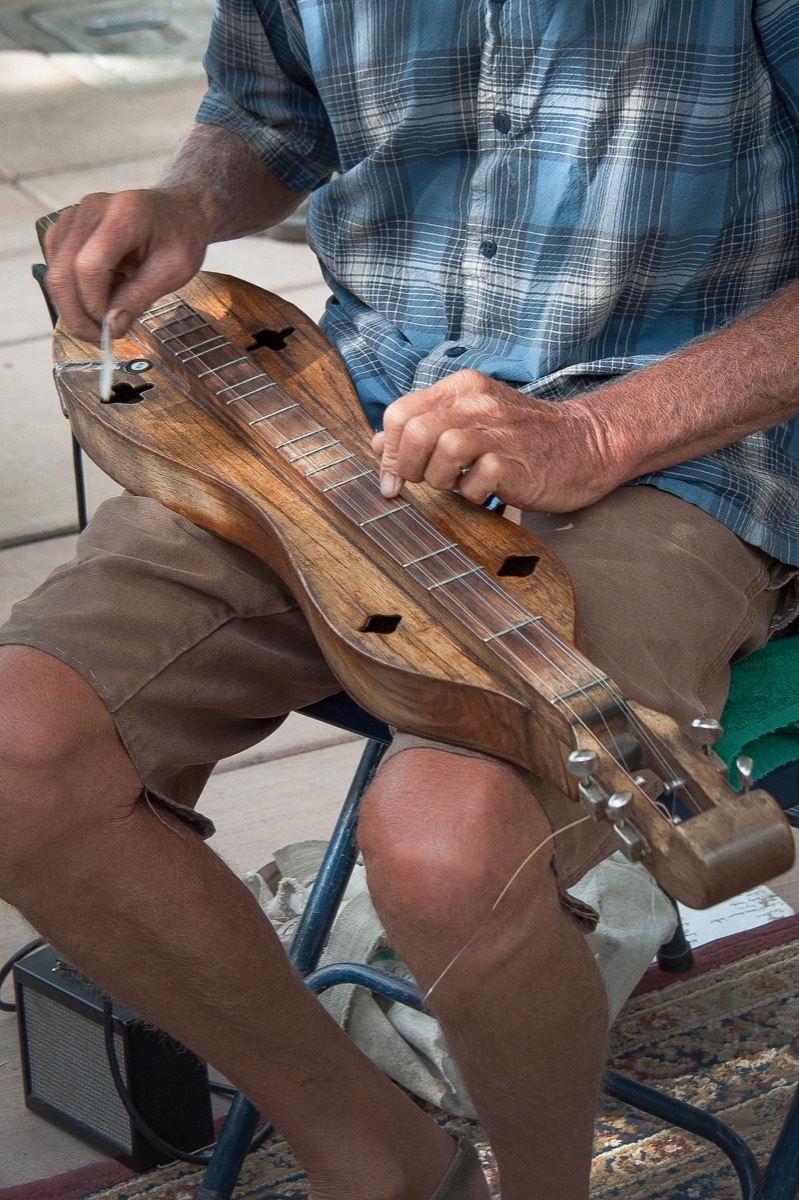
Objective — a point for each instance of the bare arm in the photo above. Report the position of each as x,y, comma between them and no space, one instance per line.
711,393
541,456
123,251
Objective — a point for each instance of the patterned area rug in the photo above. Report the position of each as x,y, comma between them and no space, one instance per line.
724,1037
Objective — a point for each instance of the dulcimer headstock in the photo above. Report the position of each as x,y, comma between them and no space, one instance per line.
668,796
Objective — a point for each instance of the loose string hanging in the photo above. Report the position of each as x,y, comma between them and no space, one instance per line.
465,947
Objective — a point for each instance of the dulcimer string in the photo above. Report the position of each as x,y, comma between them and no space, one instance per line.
362,495
503,893
521,661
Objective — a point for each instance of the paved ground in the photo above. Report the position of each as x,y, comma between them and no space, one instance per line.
60,138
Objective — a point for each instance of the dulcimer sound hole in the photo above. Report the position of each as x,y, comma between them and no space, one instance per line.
127,393
519,566
271,339
381,623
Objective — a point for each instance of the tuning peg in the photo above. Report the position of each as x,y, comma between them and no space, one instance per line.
706,731
620,805
629,840
744,768
582,763
593,796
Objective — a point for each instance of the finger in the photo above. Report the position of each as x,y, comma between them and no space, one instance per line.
139,289
89,254
454,453
58,230
121,253
395,420
485,478
111,255
414,423
62,242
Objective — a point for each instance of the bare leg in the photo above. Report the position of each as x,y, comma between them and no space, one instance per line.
524,1008
146,910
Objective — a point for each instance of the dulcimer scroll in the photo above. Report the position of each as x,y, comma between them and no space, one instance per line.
229,406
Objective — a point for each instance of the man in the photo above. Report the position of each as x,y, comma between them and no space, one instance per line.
561,245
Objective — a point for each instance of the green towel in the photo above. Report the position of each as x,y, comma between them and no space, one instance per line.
761,717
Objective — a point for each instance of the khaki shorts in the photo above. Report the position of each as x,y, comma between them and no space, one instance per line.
198,650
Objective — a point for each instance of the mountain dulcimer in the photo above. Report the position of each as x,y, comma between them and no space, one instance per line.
229,406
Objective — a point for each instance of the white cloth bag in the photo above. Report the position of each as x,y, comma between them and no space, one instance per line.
635,918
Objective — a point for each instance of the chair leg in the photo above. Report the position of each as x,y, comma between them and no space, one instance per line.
235,1139
335,869
676,955
231,1150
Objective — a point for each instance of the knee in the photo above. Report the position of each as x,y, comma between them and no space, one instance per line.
441,839
31,765
56,741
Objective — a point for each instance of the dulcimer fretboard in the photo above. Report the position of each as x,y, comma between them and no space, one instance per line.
466,589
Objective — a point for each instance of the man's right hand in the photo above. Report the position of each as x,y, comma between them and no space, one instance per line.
119,253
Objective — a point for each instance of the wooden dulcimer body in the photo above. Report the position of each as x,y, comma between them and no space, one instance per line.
230,407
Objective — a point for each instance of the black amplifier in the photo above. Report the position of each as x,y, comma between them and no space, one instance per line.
68,1080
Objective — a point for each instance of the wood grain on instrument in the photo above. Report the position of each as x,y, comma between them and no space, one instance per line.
195,441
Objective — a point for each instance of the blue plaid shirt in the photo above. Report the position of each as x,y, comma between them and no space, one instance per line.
550,191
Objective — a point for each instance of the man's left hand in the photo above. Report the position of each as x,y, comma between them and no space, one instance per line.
480,436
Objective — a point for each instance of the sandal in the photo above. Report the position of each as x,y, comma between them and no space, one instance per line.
459,1174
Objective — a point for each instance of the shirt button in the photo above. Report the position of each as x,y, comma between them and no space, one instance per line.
454,351
488,248
502,122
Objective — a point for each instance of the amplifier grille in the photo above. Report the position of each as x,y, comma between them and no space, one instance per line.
67,1077
69,1067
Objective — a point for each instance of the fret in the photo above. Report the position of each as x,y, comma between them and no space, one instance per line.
268,416
437,567
264,387
317,449
540,658
229,386
512,629
355,471
171,337
443,568
299,438
222,367
431,554
161,331
331,487
454,578
292,424
327,466
486,607
381,516
210,344
170,306
594,681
